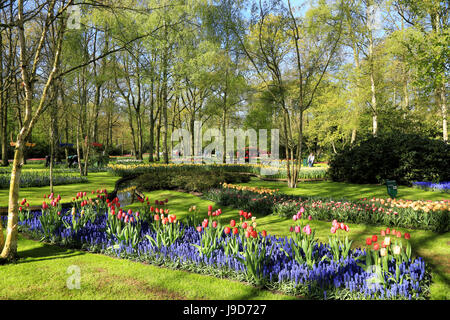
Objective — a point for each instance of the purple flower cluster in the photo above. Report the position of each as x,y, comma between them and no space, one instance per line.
343,279
440,187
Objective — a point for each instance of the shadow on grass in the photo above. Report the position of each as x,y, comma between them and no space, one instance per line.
439,264
46,252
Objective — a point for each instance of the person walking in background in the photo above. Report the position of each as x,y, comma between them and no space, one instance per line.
311,160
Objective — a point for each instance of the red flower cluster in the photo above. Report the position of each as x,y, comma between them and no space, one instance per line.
245,214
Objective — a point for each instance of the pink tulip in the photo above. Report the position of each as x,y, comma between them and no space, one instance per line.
307,229
294,217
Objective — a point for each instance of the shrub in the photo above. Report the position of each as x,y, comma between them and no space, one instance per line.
199,180
402,157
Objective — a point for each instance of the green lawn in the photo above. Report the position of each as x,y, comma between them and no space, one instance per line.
338,190
42,273
35,196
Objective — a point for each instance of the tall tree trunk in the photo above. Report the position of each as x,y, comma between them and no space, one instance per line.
79,149
158,138
3,111
443,101
373,89
9,251
152,127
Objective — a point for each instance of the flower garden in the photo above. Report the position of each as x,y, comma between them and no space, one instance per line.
240,249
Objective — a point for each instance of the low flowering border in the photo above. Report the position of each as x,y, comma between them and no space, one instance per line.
272,262
424,215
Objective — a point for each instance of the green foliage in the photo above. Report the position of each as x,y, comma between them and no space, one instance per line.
41,179
401,157
199,180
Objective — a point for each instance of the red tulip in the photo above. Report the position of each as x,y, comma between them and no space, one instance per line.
399,234
241,212
264,233
376,246
130,212
156,217
227,230
388,231
20,209
113,212
369,241
244,225
374,238
249,215
407,236
235,231
199,229
152,209
214,224
210,208
205,223
247,234
254,234
232,223
23,201
383,233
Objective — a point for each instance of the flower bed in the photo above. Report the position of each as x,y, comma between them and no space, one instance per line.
425,215
430,186
41,179
298,264
124,170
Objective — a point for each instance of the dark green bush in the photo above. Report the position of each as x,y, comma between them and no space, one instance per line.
190,181
402,157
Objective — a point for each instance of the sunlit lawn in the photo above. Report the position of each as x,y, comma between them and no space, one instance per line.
43,272
35,195
339,190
